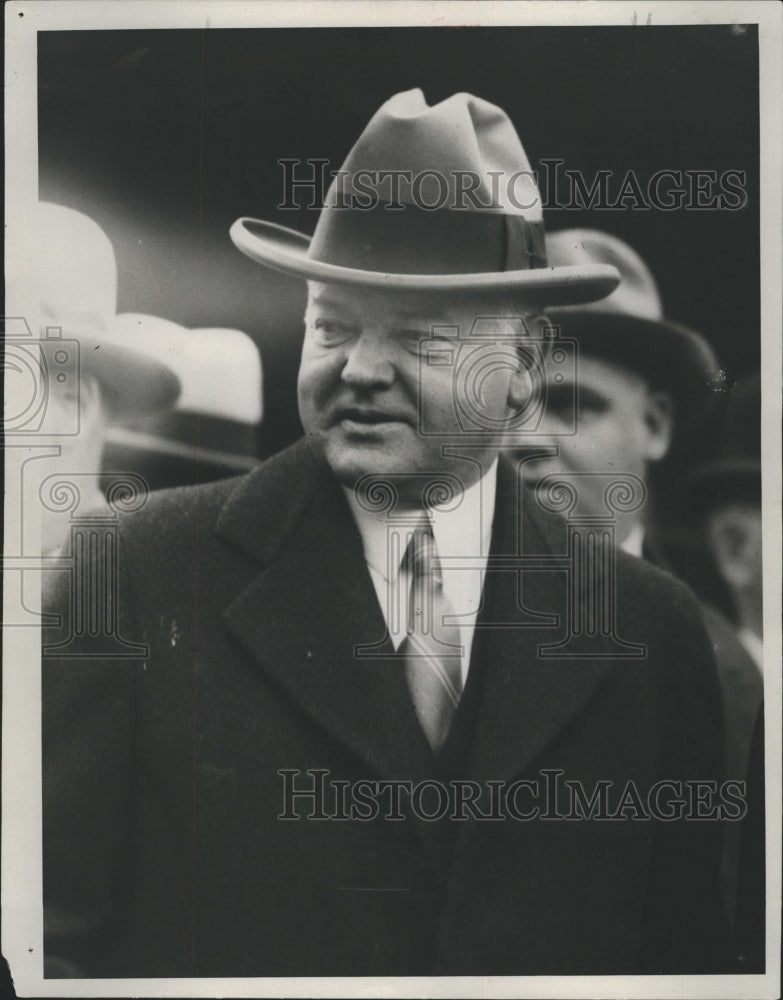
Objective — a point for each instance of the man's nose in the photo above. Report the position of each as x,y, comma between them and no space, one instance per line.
369,362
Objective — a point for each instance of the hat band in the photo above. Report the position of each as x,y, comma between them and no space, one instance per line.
414,240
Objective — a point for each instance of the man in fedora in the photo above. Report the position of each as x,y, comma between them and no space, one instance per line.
96,375
725,493
641,379
352,747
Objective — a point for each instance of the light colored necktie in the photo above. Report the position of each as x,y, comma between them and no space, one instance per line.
431,648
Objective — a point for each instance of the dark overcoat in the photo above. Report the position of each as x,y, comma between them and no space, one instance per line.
164,853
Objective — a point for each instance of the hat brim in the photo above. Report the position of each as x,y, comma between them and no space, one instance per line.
724,480
668,355
285,250
133,384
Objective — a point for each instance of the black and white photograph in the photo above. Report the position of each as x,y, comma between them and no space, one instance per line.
392,549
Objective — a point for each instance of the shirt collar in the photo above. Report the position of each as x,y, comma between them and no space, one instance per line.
754,645
459,529
634,542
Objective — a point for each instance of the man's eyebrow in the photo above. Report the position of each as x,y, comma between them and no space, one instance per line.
396,316
330,303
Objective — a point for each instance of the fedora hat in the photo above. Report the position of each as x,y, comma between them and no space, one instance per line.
735,473
76,282
628,327
215,421
437,198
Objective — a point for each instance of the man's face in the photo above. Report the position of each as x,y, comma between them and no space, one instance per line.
373,403
621,426
734,530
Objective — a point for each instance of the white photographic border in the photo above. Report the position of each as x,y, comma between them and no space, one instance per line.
22,918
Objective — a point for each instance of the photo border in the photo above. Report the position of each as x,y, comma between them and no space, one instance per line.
22,926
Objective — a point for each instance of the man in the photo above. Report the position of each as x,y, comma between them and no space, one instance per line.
640,378
726,493
360,630
97,375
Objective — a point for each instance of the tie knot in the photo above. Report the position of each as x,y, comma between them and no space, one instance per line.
421,556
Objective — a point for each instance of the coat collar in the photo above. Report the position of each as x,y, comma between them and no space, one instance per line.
310,618
312,604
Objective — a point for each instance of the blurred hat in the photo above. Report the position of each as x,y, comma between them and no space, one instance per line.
628,327
76,274
216,418
429,235
735,474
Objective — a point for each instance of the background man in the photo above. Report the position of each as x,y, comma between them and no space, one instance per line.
726,492
640,379
112,379
348,609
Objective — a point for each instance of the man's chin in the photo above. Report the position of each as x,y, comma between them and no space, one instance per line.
351,463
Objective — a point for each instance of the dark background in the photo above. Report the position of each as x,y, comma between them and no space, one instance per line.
166,137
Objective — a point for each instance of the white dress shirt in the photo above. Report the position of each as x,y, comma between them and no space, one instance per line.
462,535
754,646
634,542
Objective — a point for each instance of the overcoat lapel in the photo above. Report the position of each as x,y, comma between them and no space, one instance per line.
527,700
312,604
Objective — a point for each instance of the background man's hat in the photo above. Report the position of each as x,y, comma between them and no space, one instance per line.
430,234
735,473
213,429
76,277
628,327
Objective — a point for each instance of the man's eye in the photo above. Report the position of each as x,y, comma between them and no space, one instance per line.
332,331
418,341
412,340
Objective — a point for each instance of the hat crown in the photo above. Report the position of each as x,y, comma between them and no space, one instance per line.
76,270
637,294
467,142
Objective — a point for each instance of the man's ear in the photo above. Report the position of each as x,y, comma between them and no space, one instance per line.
521,384
659,422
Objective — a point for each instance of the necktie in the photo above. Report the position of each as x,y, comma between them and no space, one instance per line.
431,648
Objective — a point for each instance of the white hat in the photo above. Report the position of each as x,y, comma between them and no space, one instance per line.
219,370
216,418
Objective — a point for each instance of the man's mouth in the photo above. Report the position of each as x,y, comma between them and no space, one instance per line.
367,416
